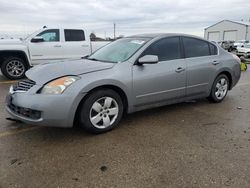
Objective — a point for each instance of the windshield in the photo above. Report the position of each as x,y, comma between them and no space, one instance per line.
119,51
247,46
242,41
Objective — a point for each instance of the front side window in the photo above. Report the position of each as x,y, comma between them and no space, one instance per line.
119,51
166,49
51,35
74,35
195,47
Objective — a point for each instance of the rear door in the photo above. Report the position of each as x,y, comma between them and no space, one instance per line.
202,62
75,44
166,80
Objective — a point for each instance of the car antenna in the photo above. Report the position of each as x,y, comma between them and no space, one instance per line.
44,27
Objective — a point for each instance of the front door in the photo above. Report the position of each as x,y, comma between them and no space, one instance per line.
49,49
166,80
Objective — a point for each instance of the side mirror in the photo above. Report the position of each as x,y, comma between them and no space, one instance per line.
148,59
37,39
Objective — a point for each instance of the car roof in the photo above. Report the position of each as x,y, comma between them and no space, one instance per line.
160,35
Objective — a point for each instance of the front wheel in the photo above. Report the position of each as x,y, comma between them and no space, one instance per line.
101,111
219,89
14,68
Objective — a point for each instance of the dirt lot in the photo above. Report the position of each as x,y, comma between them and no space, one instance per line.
193,144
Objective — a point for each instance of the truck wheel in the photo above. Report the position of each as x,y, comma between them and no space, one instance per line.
219,89
14,68
101,111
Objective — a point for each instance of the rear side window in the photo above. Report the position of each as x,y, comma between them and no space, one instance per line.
213,49
165,49
195,47
74,35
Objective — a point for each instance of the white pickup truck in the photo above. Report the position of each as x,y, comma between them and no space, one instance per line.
45,45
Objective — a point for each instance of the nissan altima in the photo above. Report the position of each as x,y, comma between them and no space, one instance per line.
127,75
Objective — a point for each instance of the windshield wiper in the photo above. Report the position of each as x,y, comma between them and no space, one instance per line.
93,59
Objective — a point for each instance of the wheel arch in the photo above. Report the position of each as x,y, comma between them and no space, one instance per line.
16,53
117,89
229,75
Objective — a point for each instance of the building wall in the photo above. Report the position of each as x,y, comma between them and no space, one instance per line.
235,30
248,32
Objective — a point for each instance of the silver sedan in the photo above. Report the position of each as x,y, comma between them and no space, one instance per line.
128,75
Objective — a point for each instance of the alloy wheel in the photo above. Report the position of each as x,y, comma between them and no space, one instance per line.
104,112
15,68
221,88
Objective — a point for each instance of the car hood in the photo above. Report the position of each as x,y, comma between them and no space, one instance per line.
10,41
44,73
238,44
244,50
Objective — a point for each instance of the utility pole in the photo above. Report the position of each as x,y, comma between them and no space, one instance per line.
114,30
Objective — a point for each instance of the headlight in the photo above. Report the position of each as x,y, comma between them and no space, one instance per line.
59,85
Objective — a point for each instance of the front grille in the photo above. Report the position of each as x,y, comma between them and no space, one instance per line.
24,85
25,112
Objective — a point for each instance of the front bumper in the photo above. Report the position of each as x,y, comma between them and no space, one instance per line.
44,110
239,53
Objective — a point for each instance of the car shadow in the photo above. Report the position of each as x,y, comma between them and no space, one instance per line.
51,135
58,133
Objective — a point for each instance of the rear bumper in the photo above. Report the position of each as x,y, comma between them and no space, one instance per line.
43,110
236,75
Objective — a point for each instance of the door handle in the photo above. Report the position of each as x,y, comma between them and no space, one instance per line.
57,46
85,45
179,69
215,62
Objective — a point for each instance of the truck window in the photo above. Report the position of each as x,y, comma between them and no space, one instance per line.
74,35
50,35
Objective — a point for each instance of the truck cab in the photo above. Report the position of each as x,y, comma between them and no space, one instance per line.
45,45
56,44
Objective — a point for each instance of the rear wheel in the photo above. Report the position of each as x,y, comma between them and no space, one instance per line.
101,111
14,68
219,89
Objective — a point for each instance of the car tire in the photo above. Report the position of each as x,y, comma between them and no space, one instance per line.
14,68
219,89
101,111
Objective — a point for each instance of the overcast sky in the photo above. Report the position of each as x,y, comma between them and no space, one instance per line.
131,17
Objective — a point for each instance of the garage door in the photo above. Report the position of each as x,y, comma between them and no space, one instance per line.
214,36
230,35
